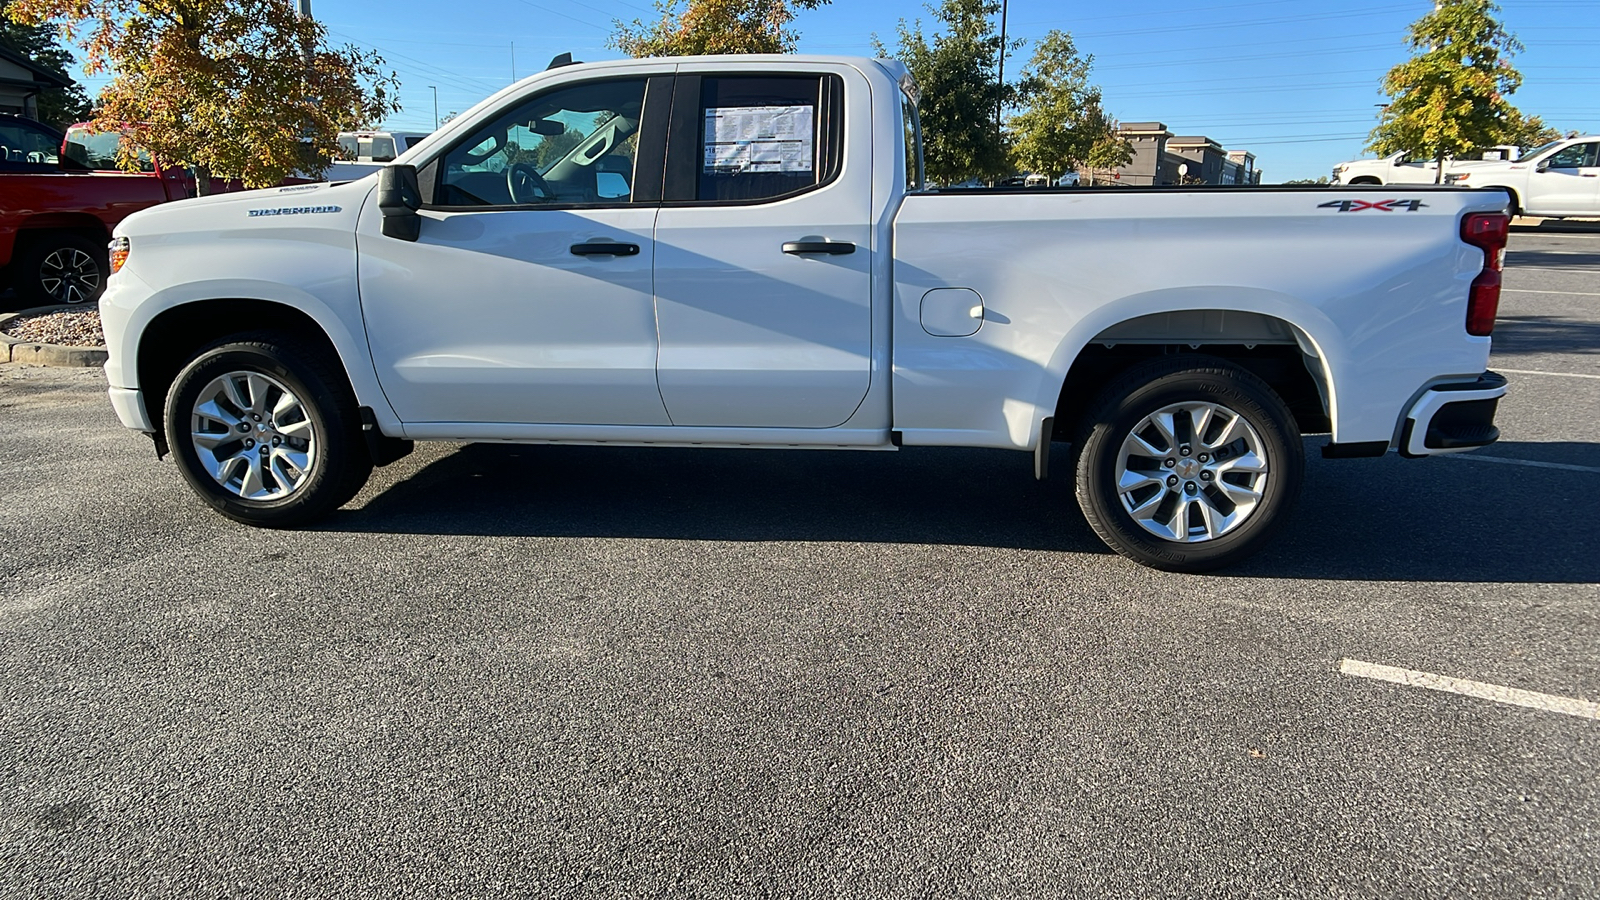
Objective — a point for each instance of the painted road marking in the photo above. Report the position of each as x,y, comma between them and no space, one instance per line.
1569,467
1563,293
1553,374
1570,706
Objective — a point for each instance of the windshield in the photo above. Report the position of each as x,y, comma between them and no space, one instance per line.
98,150
1539,150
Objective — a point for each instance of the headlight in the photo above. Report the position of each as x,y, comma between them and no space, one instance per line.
1456,177
119,254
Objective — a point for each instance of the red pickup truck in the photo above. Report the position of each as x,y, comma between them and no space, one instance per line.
56,214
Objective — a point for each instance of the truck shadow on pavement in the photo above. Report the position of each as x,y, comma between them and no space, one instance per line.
1545,334
1384,519
1551,259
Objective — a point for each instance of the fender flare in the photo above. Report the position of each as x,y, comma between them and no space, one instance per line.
1315,333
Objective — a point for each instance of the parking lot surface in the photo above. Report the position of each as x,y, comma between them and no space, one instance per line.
553,671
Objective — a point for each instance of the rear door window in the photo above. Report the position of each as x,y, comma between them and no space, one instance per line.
754,137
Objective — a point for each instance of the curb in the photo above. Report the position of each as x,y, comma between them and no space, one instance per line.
17,350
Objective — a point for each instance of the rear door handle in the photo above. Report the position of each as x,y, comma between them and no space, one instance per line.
605,248
832,248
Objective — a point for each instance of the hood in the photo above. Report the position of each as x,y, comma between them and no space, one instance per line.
299,203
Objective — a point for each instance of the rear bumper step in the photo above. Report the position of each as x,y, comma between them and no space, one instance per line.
1450,418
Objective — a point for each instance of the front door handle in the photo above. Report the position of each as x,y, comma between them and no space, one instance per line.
605,248
832,248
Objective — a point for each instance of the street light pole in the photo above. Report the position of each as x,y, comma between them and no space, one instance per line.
1000,87
435,107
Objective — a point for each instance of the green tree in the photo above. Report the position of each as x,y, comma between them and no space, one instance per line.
42,44
1062,125
1450,96
240,89
695,27
960,90
1531,131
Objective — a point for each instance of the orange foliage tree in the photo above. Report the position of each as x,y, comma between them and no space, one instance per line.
242,89
695,27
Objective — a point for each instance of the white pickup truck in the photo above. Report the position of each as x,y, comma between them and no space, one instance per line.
1560,179
739,252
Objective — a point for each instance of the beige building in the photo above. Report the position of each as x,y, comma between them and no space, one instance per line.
1162,158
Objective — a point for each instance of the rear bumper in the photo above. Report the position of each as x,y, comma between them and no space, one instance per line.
1451,418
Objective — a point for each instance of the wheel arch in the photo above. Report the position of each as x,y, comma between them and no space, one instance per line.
1366,179
172,334
1283,341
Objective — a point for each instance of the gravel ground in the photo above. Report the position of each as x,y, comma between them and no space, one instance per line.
72,328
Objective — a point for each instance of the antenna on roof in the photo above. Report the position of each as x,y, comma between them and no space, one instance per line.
564,59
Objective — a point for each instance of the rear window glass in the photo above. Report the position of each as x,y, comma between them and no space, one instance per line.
760,137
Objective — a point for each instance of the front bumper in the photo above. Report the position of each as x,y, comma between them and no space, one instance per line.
130,409
1451,418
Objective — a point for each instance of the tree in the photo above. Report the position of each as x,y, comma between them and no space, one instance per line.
695,27
241,89
1531,131
1063,125
1450,97
960,90
42,44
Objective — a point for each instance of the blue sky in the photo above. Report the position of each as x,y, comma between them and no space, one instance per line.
1295,82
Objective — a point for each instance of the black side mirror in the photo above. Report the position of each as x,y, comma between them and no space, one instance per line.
399,198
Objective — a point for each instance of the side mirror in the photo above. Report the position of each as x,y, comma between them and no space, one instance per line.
399,198
1543,166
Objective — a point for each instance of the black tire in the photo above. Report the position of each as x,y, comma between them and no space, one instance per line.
338,468
60,267
1365,180
1149,388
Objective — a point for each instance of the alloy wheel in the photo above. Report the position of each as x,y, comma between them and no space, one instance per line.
253,435
1192,472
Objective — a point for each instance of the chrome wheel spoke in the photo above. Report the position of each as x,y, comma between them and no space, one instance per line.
1133,479
1244,462
253,484
1166,423
300,429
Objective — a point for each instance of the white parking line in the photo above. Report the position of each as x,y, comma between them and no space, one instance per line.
1570,706
1553,374
1563,293
1475,457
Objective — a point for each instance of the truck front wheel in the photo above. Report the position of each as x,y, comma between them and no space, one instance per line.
265,429
1188,463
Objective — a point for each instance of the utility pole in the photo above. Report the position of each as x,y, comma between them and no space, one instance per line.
513,62
435,106
1000,86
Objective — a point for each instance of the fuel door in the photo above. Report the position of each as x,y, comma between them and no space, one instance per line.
952,312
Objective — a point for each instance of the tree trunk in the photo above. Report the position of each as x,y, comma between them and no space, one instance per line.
202,181
1438,174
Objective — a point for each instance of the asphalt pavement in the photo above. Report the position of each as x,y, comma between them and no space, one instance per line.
597,672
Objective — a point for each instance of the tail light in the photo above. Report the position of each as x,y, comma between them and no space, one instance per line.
1489,232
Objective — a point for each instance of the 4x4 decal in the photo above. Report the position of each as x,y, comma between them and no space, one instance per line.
1380,205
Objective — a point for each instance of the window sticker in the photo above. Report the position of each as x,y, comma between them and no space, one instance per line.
758,139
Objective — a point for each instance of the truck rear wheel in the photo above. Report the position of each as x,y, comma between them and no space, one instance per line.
265,428
60,267
1188,463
